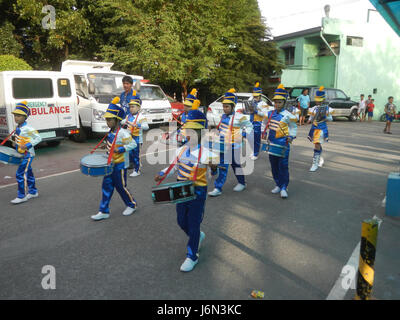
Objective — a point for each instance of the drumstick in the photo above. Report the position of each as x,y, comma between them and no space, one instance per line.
266,126
5,140
99,143
112,147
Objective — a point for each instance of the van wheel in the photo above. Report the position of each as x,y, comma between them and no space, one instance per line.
81,136
353,115
54,143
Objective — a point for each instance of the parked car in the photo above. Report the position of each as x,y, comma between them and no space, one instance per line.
336,98
396,117
215,110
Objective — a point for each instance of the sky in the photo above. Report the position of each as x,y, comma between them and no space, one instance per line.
286,16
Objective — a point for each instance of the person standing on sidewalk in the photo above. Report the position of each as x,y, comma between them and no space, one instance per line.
390,110
362,108
304,101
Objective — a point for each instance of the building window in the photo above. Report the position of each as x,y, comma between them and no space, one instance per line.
354,41
289,55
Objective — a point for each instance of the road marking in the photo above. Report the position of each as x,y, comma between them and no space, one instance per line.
76,170
338,292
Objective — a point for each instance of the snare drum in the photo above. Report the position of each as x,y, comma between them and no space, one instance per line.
10,156
277,150
95,165
175,192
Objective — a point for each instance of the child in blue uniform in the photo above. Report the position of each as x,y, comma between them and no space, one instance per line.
319,114
192,163
231,129
120,161
136,122
256,118
282,131
25,139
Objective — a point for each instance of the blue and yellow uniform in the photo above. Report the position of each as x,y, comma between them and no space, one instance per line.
29,137
231,129
190,214
120,161
193,103
256,118
319,115
282,126
136,123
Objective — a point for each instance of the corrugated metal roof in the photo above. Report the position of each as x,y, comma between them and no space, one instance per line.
390,11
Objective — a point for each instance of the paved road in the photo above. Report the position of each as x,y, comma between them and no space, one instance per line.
290,249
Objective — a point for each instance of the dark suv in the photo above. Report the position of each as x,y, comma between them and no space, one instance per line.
337,99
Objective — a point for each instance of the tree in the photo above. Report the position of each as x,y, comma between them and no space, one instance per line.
166,40
9,62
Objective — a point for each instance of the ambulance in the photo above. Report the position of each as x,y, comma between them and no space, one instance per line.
51,98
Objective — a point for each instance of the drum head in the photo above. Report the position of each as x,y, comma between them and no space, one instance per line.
94,160
11,152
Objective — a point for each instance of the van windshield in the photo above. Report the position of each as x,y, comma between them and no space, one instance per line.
152,93
106,83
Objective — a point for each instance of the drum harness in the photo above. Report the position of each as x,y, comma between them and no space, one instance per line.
176,161
112,146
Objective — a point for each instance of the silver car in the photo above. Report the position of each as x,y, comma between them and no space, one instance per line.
215,110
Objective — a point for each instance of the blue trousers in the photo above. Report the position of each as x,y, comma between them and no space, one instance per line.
223,168
280,169
116,180
25,178
189,216
257,137
134,154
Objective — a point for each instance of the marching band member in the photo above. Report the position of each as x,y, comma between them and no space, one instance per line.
136,123
232,127
191,164
256,118
283,129
191,103
319,114
123,143
25,139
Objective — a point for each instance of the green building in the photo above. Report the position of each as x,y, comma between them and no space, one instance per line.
354,57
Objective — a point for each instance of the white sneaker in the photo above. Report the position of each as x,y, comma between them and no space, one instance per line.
314,167
100,216
202,236
276,190
253,157
19,200
284,193
321,162
215,193
135,174
239,187
30,196
188,265
128,211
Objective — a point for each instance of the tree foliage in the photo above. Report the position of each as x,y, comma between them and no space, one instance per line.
210,44
9,63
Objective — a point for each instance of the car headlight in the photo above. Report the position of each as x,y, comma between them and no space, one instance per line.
98,115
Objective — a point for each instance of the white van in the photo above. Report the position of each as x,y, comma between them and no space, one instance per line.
51,98
155,104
